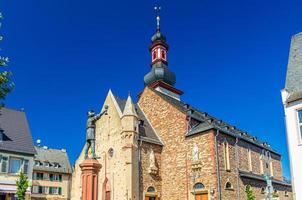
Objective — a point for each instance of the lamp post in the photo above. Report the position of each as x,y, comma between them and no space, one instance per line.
269,185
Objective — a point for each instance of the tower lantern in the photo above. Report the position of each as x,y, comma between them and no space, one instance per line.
160,77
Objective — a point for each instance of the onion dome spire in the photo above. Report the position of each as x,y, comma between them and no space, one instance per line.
160,77
159,49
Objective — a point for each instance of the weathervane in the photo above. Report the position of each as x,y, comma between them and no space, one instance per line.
157,10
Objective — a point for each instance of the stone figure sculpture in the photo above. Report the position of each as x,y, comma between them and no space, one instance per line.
195,153
90,131
152,159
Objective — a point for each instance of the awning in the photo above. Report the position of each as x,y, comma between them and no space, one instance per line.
10,189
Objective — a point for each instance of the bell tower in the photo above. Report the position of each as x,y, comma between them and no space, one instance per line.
160,77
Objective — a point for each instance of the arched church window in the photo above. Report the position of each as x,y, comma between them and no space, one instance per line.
163,54
228,186
151,189
198,186
226,156
154,55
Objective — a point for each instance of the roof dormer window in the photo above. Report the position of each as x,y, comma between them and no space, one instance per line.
46,164
1,135
56,165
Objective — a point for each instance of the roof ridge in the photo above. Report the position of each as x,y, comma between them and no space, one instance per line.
216,122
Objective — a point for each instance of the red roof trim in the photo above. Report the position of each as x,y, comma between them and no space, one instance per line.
166,86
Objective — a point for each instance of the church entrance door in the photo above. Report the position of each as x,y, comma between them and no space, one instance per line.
202,197
151,198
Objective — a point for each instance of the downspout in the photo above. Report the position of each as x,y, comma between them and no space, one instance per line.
187,181
237,166
217,166
189,112
139,170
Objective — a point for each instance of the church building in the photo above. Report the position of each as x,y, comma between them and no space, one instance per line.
161,148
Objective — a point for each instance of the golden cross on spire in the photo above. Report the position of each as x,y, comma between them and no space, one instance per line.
157,10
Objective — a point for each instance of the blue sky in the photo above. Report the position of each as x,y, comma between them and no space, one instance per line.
230,59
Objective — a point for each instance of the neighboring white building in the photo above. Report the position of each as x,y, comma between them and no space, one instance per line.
292,101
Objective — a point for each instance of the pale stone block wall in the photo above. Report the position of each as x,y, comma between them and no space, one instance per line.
114,169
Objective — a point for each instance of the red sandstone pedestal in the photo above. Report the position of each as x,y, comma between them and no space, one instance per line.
90,170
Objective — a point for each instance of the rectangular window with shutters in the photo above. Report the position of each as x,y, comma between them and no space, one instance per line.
55,190
4,164
46,190
55,177
40,176
40,190
46,176
35,189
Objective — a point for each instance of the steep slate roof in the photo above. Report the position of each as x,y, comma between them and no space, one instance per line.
208,122
52,156
294,69
16,134
251,175
146,132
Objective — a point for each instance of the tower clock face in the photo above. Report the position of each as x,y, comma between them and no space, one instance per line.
110,152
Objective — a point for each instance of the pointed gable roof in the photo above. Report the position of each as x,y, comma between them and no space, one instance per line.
294,67
146,131
293,83
16,133
129,108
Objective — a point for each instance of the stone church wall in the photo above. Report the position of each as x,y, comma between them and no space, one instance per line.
148,179
171,125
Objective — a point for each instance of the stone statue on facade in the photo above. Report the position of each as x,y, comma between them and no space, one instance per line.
90,131
152,166
195,153
152,159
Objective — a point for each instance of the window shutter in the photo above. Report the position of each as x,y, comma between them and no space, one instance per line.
51,177
60,191
50,190
60,178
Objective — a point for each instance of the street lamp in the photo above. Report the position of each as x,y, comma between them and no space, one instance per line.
269,185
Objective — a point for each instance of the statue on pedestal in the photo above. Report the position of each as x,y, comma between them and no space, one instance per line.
90,131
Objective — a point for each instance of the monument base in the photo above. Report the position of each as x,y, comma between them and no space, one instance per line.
90,171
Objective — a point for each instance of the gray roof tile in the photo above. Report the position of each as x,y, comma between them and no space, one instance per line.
294,67
16,133
52,156
208,122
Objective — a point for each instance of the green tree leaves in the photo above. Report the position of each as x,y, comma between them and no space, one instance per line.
249,193
6,85
22,185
